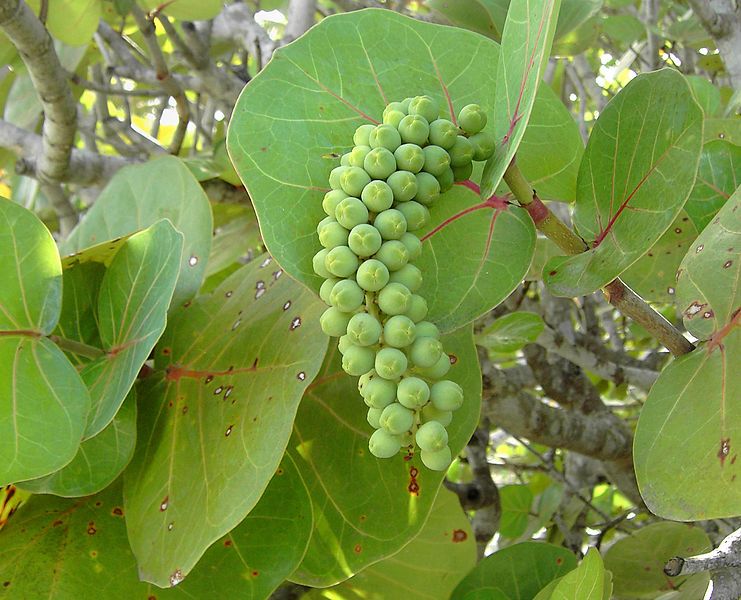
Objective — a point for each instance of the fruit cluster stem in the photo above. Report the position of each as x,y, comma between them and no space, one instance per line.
616,292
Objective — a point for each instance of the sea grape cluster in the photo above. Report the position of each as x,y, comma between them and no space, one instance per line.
380,196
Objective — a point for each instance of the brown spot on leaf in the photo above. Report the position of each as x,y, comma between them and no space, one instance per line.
694,308
255,573
57,523
91,530
459,536
227,543
727,264
552,273
358,549
724,450
453,359
165,503
117,511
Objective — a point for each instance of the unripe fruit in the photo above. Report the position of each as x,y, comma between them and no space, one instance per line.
396,419
379,164
409,276
425,351
409,157
343,343
364,330
431,436
326,288
385,136
417,308
391,223
436,461
413,393
341,261
377,196
403,185
438,370
428,189
379,392
393,118
414,129
354,179
347,296
394,299
399,331
446,180
351,212
335,176
393,254
374,414
334,322
319,263
384,445
426,107
461,153
472,118
345,160
357,156
364,240
436,160
430,413
427,329
331,200
483,146
462,173
362,135
357,360
413,244
446,395
333,234
372,275
416,215
443,133
390,363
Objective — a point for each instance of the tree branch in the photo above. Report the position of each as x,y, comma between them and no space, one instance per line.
300,19
727,554
722,20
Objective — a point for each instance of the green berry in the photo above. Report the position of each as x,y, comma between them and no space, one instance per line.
431,436
483,145
409,276
414,129
436,461
379,392
426,107
379,163
403,185
462,173
443,133
347,296
405,104
425,351
341,261
353,180
417,308
364,240
333,234
357,360
373,417
345,160
446,395
390,363
331,200
385,136
446,180
430,413
362,134
391,223
325,291
416,215
398,331
413,244
413,393
334,322
335,175
396,419
436,160
393,118
377,196
383,444
372,275
461,153
357,156
438,370
409,157
343,343
364,330
319,262
394,299
393,254
427,329
351,212
394,106
472,119
428,189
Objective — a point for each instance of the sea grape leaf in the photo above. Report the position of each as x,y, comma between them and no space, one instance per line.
646,551
718,176
31,291
654,275
630,189
723,129
102,253
486,17
186,10
367,509
708,290
57,548
516,501
43,406
526,43
99,460
589,581
132,303
624,29
138,196
517,572
233,240
429,566
573,14
693,411
229,373
706,94
501,240
71,21
511,332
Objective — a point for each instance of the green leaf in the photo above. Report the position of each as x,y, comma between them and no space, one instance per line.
589,581
579,40
364,507
511,332
654,275
71,21
138,196
516,501
723,129
630,189
637,561
486,17
688,434
233,240
706,94
517,572
428,567
43,405
526,43
624,29
230,371
31,291
58,549
101,253
499,241
708,291
718,177
134,294
99,460
573,14
186,10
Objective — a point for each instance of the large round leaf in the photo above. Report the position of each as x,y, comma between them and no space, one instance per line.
216,416
630,189
366,508
718,177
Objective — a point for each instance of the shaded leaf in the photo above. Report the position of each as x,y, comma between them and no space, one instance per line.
630,189
486,17
71,21
573,14
723,129
428,567
511,332
186,10
102,253
363,505
517,572
718,176
706,94
624,29
140,195
516,501
230,371
589,581
526,44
